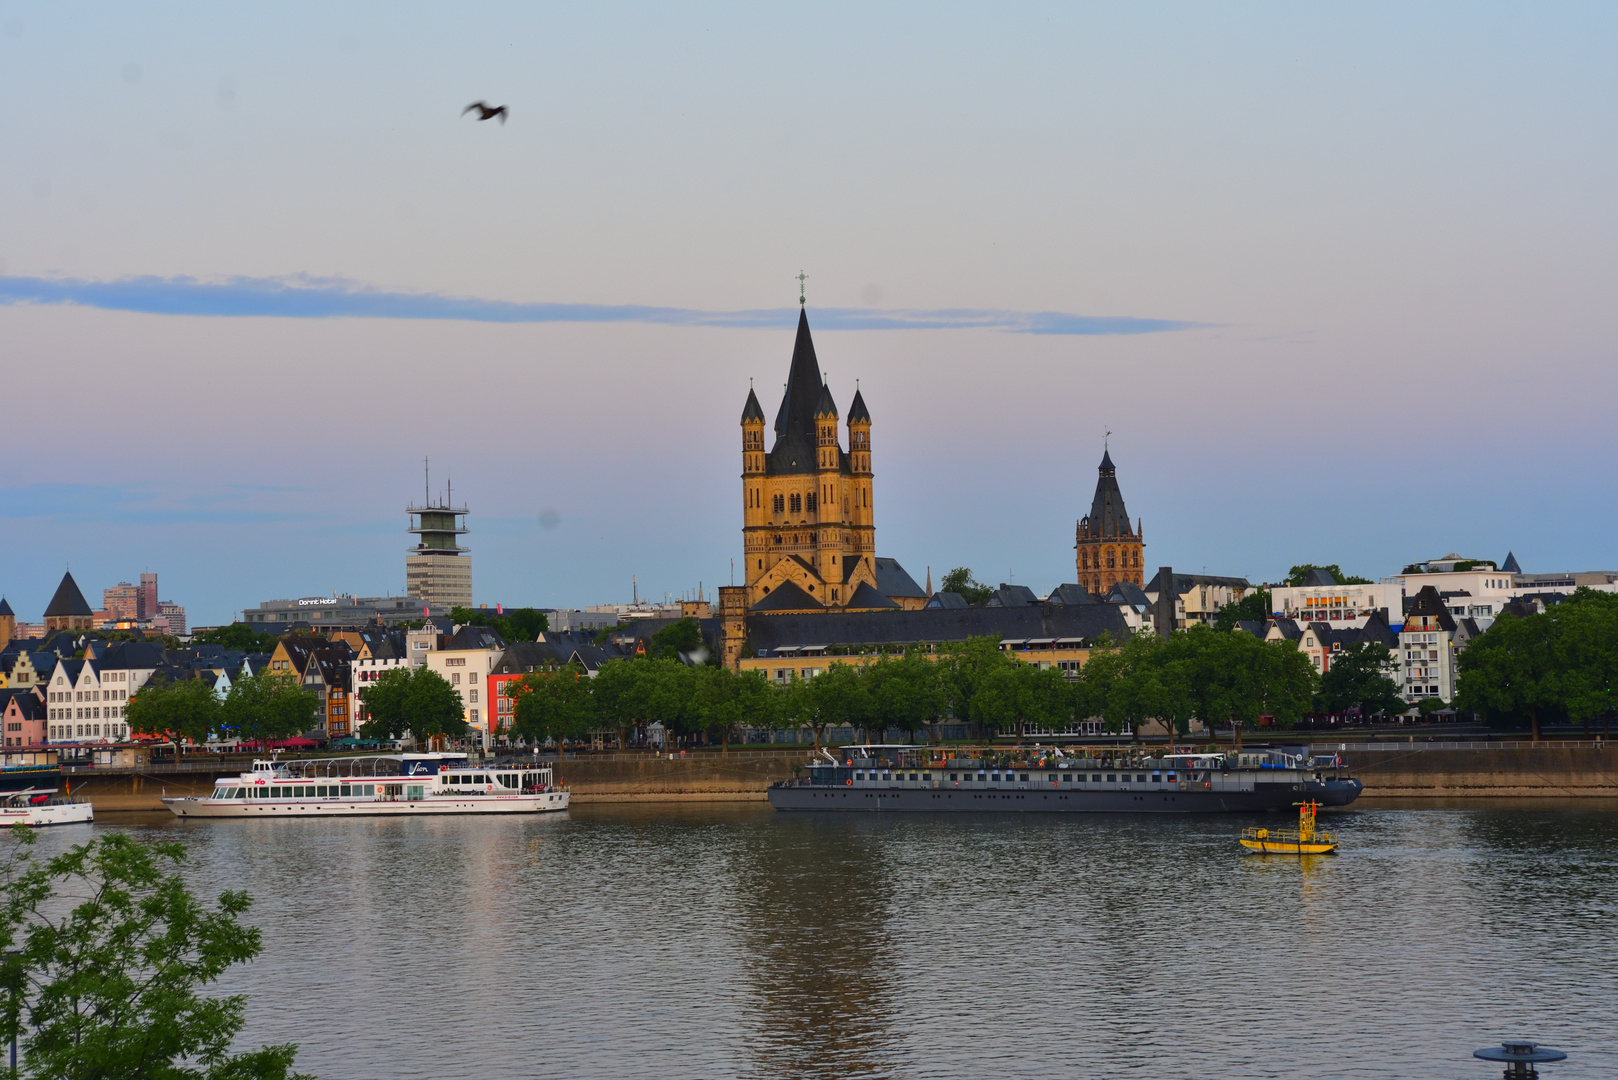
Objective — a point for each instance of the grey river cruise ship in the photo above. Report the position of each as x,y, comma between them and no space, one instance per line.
1115,780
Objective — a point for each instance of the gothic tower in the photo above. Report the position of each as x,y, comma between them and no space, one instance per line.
808,529
1108,552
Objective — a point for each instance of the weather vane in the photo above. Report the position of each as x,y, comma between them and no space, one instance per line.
1105,437
802,277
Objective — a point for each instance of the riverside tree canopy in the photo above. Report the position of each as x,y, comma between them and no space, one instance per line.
415,701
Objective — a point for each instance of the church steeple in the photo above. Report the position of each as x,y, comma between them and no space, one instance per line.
1107,550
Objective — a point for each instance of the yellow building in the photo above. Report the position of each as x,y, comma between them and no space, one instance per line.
809,529
1108,551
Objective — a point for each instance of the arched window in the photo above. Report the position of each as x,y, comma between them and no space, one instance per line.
797,503
810,502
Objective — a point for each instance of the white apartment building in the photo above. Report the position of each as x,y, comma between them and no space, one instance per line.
465,662
1338,604
79,709
1428,646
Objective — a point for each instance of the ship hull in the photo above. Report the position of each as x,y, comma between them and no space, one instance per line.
924,800
434,807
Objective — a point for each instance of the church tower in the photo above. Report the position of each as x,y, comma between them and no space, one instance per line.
808,529
1108,552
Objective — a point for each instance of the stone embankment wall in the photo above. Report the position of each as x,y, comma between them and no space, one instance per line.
1542,772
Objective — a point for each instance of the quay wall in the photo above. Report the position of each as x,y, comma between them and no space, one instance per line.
1540,772
1394,770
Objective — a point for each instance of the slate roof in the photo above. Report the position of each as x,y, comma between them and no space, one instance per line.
1071,594
1012,596
857,412
529,656
826,406
893,580
29,704
795,437
752,410
934,625
952,601
1290,631
5,608
1508,567
474,637
1107,514
1184,583
787,597
1377,631
1127,592
134,655
1428,602
68,600
867,597
1257,627
1318,577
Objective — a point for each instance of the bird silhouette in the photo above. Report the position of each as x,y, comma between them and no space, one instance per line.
485,112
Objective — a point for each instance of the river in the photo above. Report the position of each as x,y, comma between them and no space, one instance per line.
712,940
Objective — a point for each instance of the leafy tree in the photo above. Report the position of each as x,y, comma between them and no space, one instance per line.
181,709
680,640
514,624
959,580
623,697
1296,575
106,953
237,635
907,692
414,701
269,705
729,700
554,705
1358,678
969,670
1254,607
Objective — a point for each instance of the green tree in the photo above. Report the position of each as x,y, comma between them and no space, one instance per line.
679,640
1560,663
623,696
970,671
1296,575
180,709
1358,678
1254,607
907,692
268,705
959,580
236,636
513,624
728,701
414,701
838,699
553,705
106,954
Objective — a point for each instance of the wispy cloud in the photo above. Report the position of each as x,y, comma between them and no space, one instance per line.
304,297
148,504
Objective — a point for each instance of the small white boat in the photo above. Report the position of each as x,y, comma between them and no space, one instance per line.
42,806
379,784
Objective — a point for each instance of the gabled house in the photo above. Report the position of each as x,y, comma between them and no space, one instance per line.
22,716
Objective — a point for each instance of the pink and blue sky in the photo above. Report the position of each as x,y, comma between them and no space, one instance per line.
1340,281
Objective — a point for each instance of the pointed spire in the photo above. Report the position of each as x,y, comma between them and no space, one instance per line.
68,600
797,414
929,580
5,609
857,412
752,411
1107,468
826,406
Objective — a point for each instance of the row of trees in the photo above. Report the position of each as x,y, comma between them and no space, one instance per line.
1225,679
1557,666
266,705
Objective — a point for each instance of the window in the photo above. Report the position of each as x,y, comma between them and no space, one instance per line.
474,697
455,678
474,716
797,503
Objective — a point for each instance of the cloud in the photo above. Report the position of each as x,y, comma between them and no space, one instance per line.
147,504
305,297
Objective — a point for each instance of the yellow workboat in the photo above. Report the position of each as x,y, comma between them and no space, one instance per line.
1304,840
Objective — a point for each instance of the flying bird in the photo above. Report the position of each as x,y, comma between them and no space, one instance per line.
485,112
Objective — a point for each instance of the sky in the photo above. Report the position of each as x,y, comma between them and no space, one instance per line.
1338,280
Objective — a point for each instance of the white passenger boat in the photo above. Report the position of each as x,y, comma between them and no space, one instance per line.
379,784
42,806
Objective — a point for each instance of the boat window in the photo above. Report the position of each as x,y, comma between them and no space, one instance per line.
980,778
1025,778
1051,777
344,791
1141,779
1112,778
992,776
367,789
859,776
926,777
954,776
1067,778
1171,778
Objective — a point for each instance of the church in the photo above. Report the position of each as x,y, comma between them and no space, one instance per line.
808,516
1108,551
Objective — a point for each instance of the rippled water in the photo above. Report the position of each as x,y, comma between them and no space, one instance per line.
714,941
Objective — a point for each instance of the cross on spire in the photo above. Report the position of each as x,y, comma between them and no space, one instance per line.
802,277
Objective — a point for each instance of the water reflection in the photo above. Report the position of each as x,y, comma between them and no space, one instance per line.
815,926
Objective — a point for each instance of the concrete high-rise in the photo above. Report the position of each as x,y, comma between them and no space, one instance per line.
438,571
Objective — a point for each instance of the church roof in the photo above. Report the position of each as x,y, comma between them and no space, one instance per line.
935,624
826,406
866,597
787,597
752,410
1107,514
5,608
1508,567
857,412
795,441
893,580
68,600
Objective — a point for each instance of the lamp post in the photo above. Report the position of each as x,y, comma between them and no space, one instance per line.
1520,1057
